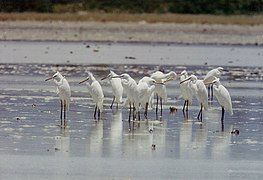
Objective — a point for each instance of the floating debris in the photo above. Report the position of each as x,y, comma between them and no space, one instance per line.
235,131
173,110
129,57
153,146
33,105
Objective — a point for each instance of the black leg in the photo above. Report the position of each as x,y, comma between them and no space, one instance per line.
112,102
184,105
222,118
133,111
208,90
212,92
187,104
117,107
146,111
130,113
157,99
200,113
61,112
65,109
98,114
161,103
95,112
139,115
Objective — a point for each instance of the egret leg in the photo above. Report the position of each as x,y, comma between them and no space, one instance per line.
184,105
117,107
161,103
112,102
208,90
157,99
187,104
200,113
222,118
98,113
130,113
146,111
61,112
133,111
95,112
65,109
212,92
139,116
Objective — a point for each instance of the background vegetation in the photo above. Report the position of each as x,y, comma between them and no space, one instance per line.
136,6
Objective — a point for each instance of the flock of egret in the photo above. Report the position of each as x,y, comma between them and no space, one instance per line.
140,95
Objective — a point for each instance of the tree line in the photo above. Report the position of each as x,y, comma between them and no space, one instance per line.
136,6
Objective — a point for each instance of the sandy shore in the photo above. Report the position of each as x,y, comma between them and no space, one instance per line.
131,32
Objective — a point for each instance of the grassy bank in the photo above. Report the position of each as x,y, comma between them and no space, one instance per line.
125,17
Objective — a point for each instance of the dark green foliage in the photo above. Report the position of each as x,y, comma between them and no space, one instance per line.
141,6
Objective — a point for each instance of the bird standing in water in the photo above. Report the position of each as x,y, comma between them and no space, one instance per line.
185,90
117,88
64,93
95,92
160,89
210,77
198,88
224,99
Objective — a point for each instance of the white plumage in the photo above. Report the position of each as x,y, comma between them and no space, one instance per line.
95,91
223,96
64,93
186,90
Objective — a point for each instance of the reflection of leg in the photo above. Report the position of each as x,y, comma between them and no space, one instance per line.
65,109
184,105
146,111
95,112
61,112
112,102
161,103
222,118
133,111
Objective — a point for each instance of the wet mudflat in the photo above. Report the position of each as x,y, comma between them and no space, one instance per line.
33,146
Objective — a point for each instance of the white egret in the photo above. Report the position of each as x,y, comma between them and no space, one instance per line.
117,88
95,92
146,87
130,87
185,90
64,93
224,99
210,77
199,89
160,89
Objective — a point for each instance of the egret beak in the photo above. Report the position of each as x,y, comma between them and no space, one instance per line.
185,80
83,81
48,78
105,77
169,79
116,77
162,83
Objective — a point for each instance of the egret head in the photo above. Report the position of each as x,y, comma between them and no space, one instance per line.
184,72
220,69
90,77
216,81
172,75
57,77
192,78
110,75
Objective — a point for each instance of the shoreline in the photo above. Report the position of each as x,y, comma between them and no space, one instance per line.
132,32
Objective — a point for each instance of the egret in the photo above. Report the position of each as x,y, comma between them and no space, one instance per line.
95,92
224,99
146,87
185,90
117,88
199,89
64,93
160,89
210,77
130,87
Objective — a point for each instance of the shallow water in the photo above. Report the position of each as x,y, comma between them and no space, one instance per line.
29,113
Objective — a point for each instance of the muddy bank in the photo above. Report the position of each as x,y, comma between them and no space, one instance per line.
131,32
